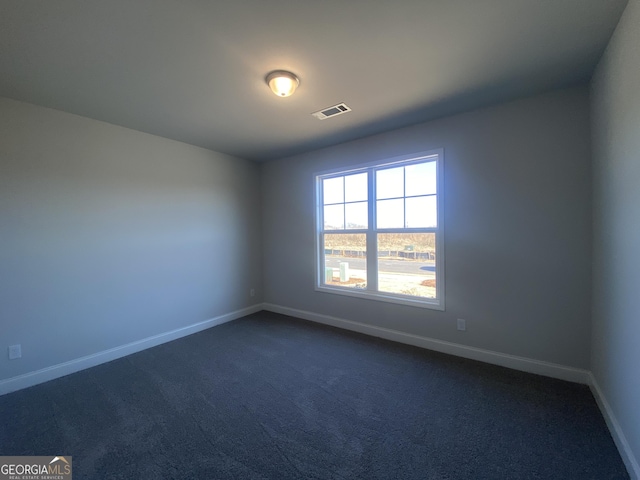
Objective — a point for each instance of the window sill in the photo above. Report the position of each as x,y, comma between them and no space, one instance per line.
431,304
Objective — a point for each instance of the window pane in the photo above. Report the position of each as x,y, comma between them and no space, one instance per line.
333,190
355,188
406,264
390,183
421,179
421,212
334,217
345,262
390,213
356,215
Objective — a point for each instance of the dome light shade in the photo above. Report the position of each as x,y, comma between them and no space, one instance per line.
282,83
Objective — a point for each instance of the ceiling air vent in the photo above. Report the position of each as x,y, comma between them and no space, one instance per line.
338,109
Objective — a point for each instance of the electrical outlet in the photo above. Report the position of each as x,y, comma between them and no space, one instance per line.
15,351
462,324
252,292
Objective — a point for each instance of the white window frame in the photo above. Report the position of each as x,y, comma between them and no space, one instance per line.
437,303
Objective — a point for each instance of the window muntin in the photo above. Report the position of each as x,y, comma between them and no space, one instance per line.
407,196
344,201
380,232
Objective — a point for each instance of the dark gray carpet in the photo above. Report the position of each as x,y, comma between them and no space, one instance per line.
273,397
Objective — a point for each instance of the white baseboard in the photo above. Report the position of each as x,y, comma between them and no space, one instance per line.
629,459
496,358
72,366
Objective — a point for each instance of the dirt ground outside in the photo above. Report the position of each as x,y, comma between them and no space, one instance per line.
405,284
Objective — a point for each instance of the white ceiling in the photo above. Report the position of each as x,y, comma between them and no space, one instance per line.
193,70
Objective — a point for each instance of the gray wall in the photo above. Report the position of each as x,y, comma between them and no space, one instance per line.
517,228
616,314
109,235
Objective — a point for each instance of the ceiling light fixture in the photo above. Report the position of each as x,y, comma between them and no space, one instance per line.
282,83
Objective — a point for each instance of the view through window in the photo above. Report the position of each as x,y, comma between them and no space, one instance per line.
379,231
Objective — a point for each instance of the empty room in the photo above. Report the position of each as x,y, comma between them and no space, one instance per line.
320,240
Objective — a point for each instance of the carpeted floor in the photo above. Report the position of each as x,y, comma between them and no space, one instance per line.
269,396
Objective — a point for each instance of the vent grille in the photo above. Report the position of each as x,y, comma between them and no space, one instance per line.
332,111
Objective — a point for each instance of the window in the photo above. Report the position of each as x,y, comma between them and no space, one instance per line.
379,231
